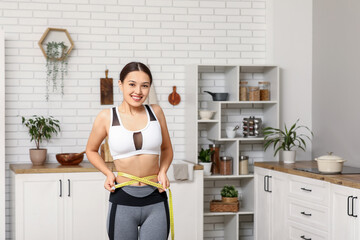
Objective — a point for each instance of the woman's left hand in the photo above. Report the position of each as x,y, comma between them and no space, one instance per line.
164,181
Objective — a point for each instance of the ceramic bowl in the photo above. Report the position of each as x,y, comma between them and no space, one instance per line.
206,114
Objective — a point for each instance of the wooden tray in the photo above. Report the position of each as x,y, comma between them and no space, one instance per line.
219,206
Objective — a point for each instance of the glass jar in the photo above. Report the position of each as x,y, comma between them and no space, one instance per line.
254,93
215,158
264,91
243,165
243,90
226,165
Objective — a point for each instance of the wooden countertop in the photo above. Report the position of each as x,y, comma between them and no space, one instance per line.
56,168
349,180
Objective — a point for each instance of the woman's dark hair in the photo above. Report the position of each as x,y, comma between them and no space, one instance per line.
135,66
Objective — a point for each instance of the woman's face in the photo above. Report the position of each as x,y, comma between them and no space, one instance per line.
135,88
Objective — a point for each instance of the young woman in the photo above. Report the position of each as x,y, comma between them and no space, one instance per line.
140,145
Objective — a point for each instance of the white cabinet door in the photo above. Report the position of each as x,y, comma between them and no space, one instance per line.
342,225
39,206
270,204
262,205
86,204
278,188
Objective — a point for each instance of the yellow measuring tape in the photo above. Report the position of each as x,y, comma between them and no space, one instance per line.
148,182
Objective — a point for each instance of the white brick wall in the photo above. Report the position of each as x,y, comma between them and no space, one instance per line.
164,34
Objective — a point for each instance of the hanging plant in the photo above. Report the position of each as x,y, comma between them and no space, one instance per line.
56,65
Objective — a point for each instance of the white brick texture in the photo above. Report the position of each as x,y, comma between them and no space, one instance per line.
167,35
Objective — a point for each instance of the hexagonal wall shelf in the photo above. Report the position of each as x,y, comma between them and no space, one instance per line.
56,35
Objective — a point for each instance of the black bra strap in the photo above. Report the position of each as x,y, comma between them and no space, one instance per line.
115,120
151,114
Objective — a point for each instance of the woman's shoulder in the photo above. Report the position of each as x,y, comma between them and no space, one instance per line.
158,111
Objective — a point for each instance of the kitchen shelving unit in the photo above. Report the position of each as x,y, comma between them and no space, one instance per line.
201,133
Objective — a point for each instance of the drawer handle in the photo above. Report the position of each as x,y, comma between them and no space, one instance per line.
348,206
305,238
306,189
60,188
306,214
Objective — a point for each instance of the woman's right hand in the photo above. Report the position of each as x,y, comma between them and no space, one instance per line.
110,182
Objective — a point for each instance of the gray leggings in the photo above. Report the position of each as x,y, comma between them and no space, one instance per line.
145,221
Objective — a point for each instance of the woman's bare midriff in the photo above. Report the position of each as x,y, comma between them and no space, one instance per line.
139,165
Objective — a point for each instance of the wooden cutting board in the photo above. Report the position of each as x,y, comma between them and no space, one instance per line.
106,90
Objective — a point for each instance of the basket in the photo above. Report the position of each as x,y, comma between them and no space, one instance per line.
220,206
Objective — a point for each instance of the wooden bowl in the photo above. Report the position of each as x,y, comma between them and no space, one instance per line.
62,158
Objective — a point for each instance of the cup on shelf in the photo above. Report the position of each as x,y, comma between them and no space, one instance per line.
230,133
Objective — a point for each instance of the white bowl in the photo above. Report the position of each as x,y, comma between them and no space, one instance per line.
206,114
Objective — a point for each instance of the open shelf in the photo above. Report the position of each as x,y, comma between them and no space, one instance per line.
214,177
241,212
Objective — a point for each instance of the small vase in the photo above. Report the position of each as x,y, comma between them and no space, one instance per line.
207,168
37,156
288,156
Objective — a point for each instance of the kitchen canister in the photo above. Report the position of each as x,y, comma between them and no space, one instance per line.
243,165
243,90
226,165
215,158
264,91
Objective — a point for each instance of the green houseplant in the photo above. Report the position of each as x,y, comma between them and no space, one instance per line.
205,160
56,63
40,128
286,140
229,194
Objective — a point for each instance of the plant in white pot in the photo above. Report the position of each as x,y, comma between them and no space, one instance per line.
40,128
286,140
205,160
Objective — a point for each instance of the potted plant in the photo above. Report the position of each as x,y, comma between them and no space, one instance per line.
56,62
205,160
229,194
40,128
286,140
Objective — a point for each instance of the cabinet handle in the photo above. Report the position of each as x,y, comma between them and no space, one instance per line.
306,189
69,187
268,184
265,188
352,207
348,206
60,188
305,238
306,214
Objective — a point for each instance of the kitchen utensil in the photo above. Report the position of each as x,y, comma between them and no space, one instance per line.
174,97
218,96
206,114
330,163
230,133
63,158
106,90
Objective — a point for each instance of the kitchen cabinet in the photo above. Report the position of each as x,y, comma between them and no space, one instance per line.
202,132
345,222
270,204
59,206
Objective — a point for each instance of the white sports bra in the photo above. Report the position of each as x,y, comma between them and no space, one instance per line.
124,143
